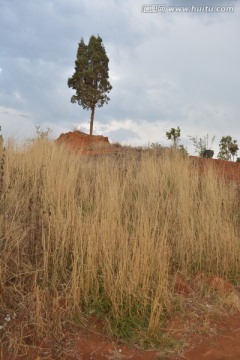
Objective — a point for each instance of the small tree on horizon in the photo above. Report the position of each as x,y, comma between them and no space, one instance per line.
90,79
183,149
174,135
41,134
228,148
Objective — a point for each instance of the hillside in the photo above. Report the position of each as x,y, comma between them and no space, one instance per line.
106,257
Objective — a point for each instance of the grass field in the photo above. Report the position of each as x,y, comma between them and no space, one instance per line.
107,236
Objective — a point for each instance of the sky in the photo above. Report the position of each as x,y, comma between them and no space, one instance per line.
168,67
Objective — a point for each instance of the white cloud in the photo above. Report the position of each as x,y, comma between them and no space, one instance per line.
16,124
18,96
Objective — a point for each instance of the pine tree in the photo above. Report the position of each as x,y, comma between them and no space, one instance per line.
90,79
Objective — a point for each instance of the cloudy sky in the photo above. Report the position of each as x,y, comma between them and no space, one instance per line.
167,68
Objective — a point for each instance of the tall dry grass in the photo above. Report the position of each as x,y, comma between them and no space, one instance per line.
107,235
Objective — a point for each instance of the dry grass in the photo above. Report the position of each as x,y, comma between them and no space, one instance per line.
106,235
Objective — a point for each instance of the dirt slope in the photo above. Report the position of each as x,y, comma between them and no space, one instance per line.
228,169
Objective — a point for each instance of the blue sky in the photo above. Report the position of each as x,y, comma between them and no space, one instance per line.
167,69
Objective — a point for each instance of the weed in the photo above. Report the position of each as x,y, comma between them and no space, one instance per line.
107,236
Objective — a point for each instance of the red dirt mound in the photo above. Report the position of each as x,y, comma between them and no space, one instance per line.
87,144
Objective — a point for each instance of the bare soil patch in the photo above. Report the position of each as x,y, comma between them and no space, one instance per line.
211,338
85,144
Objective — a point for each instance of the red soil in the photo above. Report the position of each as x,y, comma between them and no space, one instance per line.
219,340
205,346
85,144
228,169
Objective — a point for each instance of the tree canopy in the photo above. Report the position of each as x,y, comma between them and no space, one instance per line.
174,135
228,148
90,79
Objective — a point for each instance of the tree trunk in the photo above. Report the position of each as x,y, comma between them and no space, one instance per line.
91,121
